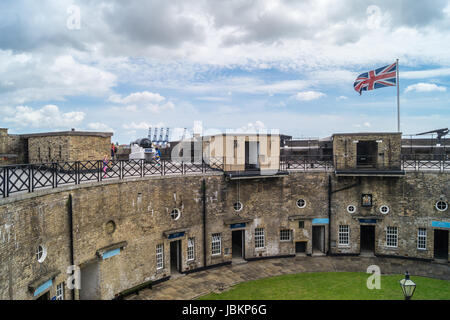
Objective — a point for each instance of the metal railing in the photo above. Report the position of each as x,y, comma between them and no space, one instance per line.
26,178
304,162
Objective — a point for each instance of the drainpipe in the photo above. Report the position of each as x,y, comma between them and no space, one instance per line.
329,214
204,220
70,211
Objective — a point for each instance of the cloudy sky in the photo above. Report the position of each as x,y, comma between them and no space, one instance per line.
290,65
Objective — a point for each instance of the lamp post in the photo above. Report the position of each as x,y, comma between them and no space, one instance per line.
408,286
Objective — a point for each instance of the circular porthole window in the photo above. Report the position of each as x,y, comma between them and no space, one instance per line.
175,214
384,209
110,227
237,206
351,209
41,253
441,205
301,203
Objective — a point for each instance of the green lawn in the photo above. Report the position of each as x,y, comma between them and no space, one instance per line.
331,286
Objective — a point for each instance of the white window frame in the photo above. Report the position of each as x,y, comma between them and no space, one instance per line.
304,203
216,244
344,234
285,235
175,214
238,204
259,238
160,256
191,249
422,239
391,236
441,210
350,211
60,291
41,253
387,209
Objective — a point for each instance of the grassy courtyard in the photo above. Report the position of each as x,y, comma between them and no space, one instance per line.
331,286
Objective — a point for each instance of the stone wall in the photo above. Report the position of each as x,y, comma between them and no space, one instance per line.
139,211
387,154
13,149
60,148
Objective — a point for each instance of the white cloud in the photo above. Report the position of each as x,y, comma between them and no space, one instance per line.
144,97
141,125
34,77
425,87
148,100
48,116
423,74
342,98
98,126
308,95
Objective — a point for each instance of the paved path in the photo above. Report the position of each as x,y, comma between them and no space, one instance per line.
196,284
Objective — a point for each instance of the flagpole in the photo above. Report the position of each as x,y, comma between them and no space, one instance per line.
398,100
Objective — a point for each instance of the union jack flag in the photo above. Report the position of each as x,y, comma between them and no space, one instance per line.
378,78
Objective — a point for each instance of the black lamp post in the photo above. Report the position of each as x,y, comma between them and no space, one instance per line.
408,286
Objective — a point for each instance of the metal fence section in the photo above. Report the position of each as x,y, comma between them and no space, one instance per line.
25,178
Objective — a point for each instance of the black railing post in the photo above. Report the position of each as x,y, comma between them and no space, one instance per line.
54,175
4,183
163,166
77,172
7,182
30,179
142,168
99,166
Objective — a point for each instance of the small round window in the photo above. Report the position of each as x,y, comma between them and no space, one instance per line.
441,205
41,253
351,209
301,203
237,206
384,209
175,214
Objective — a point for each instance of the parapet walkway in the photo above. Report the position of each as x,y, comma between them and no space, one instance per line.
196,284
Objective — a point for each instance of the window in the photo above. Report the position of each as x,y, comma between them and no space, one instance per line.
60,291
160,256
285,235
384,209
41,253
391,237
301,203
175,214
351,209
259,238
237,206
344,238
191,249
441,205
216,244
422,239
301,224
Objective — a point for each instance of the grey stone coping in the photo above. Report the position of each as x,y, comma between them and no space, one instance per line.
117,245
35,284
68,133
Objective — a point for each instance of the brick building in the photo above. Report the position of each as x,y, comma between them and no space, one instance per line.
54,146
123,234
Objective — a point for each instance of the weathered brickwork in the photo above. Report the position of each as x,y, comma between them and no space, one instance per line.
140,210
68,147
13,149
386,155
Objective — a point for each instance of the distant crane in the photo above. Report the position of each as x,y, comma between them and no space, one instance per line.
440,133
